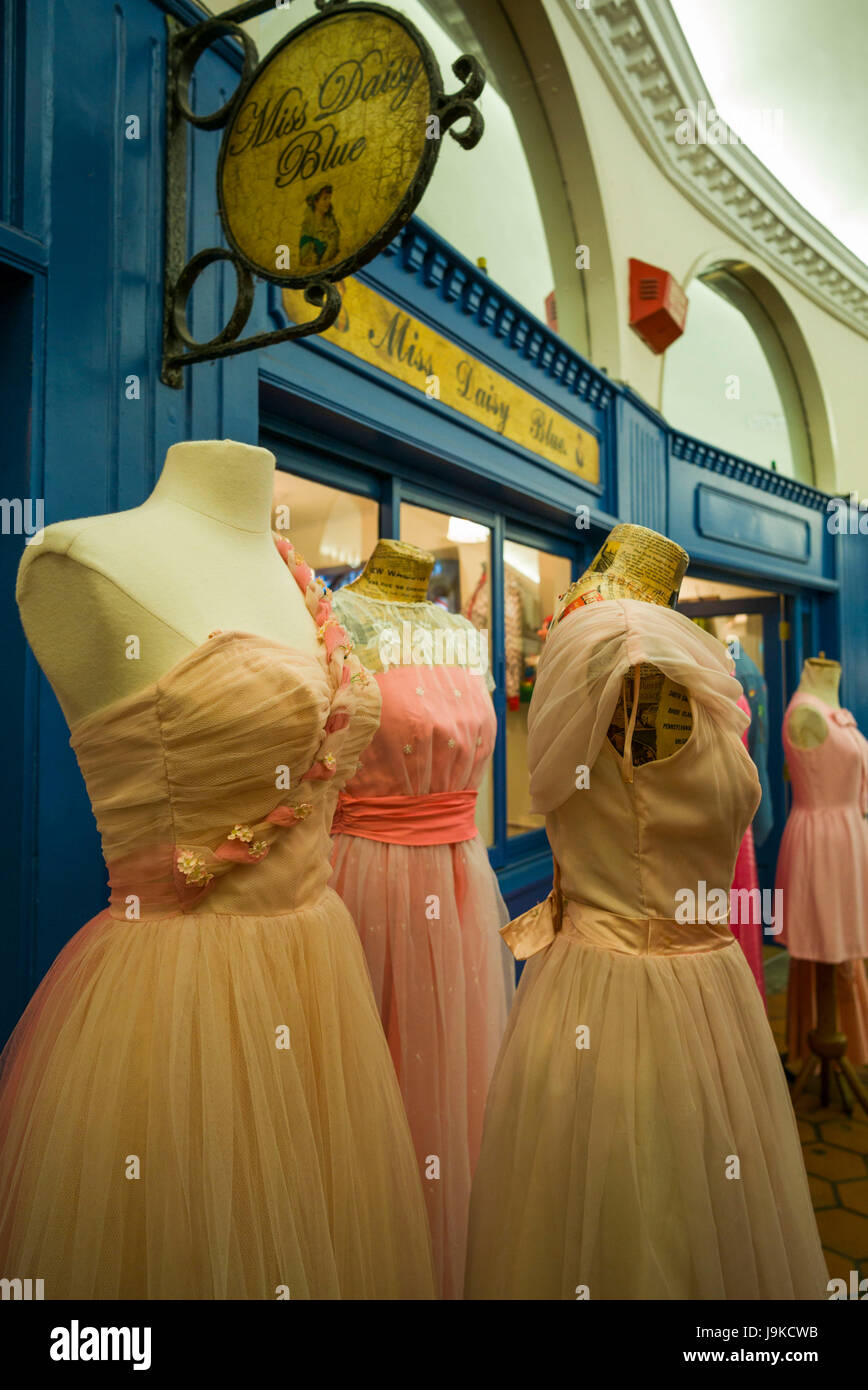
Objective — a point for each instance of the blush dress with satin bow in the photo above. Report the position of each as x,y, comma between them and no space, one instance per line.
822,873
639,1141
415,875
199,1102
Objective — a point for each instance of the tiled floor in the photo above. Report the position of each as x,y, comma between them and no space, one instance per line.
835,1146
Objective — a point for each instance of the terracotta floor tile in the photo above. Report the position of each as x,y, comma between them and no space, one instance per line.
823,1193
808,1132
846,1134
826,1161
844,1231
853,1195
839,1265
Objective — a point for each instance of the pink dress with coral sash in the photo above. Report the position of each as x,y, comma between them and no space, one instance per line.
415,875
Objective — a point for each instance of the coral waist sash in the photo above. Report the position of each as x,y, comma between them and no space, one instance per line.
440,818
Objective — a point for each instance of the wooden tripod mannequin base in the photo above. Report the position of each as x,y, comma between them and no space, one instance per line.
829,1047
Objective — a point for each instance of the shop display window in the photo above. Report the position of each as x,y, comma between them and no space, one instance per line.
533,579
335,531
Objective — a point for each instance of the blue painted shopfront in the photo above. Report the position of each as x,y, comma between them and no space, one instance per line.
80,278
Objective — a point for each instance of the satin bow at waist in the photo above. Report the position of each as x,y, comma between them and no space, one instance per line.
590,926
440,818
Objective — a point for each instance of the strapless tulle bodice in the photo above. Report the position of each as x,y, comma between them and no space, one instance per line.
215,786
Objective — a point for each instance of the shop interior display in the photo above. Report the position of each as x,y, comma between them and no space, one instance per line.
290,1053
638,1065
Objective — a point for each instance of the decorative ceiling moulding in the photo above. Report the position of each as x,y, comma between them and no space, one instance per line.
644,57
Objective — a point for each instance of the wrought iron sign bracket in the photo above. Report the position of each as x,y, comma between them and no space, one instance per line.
185,45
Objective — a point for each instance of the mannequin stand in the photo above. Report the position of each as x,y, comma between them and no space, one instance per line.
829,1047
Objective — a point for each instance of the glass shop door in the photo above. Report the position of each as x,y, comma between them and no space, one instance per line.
757,627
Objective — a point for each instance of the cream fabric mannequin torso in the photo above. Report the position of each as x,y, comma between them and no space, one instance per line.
806,726
196,557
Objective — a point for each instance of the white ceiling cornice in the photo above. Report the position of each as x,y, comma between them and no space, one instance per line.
643,55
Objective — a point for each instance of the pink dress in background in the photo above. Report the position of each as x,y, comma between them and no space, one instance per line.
823,874
415,875
749,935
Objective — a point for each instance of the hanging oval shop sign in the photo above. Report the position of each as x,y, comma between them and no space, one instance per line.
330,146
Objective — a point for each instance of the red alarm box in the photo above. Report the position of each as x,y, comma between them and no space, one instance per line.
658,305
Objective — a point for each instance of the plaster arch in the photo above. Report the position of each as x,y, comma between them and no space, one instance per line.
517,39
749,288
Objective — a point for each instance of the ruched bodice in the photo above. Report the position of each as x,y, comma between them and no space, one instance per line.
220,780
241,730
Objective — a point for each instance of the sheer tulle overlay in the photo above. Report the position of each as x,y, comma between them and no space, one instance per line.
260,1166
639,1138
199,1101
428,913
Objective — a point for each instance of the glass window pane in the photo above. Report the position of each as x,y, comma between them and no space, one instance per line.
533,579
460,583
335,531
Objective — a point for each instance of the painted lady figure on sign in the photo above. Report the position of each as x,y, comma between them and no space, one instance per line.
320,233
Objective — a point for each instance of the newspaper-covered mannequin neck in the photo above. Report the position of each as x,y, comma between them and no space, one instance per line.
637,563
822,678
396,571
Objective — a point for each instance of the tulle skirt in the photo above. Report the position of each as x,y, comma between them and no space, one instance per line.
205,1107
429,918
659,1161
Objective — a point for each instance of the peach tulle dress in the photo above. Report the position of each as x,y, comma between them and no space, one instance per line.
415,875
823,875
748,932
639,1137
214,1027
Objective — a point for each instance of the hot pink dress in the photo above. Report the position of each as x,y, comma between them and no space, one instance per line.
748,933
823,874
414,872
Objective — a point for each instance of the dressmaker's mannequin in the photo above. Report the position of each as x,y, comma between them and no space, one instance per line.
397,571
637,563
196,557
806,726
